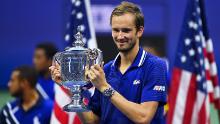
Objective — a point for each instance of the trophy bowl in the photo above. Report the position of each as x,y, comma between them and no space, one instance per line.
73,62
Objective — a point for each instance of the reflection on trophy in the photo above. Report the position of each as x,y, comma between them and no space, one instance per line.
73,62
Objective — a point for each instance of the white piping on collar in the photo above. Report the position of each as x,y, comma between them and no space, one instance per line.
41,91
143,56
12,114
113,64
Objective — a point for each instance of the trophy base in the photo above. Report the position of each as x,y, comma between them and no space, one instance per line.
75,108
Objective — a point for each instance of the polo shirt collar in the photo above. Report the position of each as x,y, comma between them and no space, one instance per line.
38,103
138,61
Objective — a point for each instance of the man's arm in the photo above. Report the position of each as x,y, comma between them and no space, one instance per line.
88,117
138,113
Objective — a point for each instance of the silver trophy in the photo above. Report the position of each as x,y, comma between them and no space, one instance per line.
73,62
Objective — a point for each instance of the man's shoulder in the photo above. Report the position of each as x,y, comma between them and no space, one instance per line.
46,103
12,104
9,106
152,60
6,110
108,66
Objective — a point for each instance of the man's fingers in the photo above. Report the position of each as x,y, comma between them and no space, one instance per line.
51,67
102,65
86,68
57,70
97,67
57,65
57,76
91,75
94,70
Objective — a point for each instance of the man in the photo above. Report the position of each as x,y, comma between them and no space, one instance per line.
28,107
43,56
132,87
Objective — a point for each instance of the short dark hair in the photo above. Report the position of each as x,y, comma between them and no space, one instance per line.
28,73
128,7
49,48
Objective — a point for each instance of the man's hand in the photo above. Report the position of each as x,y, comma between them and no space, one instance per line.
97,76
55,73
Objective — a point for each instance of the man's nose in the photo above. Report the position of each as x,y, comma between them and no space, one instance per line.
121,35
9,84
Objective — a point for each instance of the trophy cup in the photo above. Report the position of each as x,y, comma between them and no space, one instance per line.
72,62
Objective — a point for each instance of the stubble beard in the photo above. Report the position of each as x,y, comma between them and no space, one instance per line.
127,49
17,94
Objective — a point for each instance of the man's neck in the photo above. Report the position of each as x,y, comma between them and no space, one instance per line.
45,74
29,99
128,58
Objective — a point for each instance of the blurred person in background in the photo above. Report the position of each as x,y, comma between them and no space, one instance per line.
43,56
28,107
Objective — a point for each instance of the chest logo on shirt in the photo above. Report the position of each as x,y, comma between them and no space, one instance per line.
159,88
135,82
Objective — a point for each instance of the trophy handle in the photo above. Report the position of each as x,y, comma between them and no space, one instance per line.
95,56
99,58
57,59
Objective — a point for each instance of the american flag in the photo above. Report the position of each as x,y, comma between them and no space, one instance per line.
80,16
194,83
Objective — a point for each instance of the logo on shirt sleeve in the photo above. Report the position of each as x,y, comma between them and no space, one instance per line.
159,88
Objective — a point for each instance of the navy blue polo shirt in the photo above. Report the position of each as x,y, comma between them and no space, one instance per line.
13,113
145,80
46,87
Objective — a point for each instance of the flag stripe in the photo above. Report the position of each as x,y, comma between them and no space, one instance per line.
203,119
173,90
60,114
191,98
194,118
181,101
53,119
197,107
207,105
62,98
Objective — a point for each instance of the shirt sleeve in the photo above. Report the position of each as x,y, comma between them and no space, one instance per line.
155,87
94,103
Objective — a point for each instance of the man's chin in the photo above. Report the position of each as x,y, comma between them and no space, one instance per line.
124,49
16,95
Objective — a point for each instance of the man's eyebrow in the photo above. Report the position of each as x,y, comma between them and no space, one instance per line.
127,28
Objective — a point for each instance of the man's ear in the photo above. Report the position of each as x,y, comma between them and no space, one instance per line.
140,31
24,83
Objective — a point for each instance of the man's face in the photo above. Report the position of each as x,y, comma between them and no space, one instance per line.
124,32
40,60
15,84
